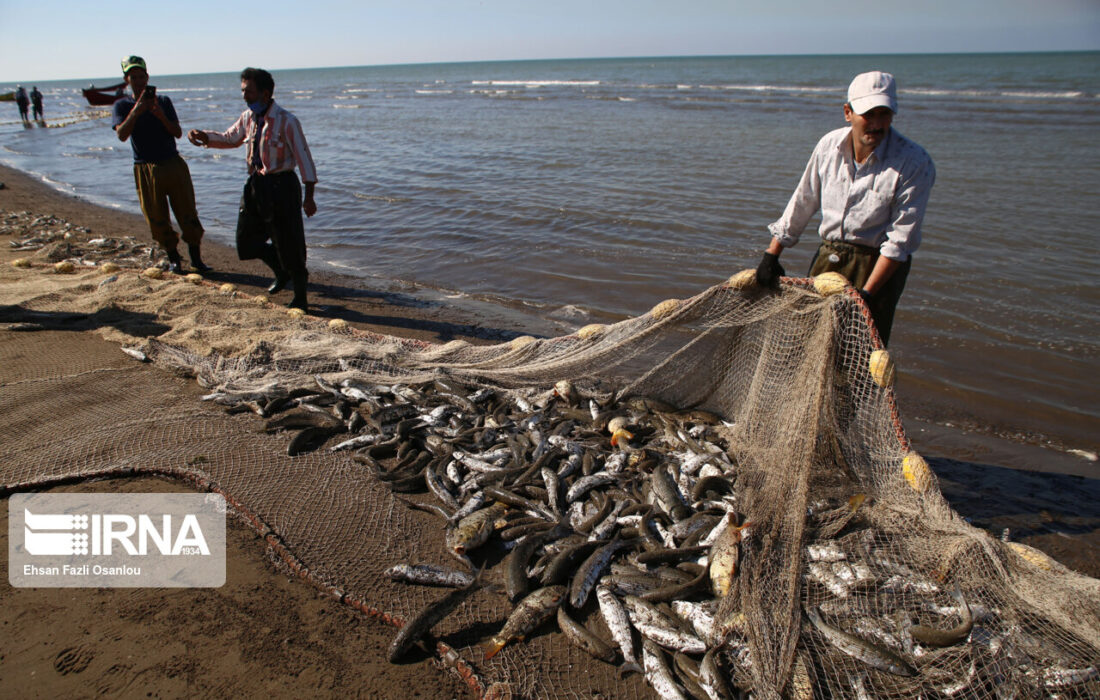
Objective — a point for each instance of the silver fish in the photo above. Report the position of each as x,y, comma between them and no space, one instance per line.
553,486
701,617
591,570
136,354
617,621
585,484
856,647
357,441
427,618
653,625
429,575
658,673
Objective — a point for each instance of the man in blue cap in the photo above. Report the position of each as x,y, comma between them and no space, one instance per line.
161,175
871,185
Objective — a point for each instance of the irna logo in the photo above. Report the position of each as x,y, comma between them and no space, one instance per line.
116,540
100,534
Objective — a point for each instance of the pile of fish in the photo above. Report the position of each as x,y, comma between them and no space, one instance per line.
64,241
624,509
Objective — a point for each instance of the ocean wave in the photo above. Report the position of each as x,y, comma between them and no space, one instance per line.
1067,94
500,93
772,88
538,83
1024,94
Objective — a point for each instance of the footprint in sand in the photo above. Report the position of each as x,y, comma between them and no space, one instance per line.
114,680
73,660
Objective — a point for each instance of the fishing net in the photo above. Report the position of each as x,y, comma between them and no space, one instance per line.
854,577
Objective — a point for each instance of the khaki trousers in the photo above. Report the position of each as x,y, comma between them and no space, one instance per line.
164,184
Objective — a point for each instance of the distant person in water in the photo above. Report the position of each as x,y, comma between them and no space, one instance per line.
871,185
161,175
36,103
272,204
23,102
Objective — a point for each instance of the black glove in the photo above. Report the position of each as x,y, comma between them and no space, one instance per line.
769,271
866,296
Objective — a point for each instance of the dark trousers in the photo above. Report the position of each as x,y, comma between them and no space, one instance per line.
271,210
856,263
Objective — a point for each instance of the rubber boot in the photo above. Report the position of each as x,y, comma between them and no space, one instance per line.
300,284
175,262
195,253
282,278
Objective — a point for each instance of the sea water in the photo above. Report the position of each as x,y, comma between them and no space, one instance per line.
581,191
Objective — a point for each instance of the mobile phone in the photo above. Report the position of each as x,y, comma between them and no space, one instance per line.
150,91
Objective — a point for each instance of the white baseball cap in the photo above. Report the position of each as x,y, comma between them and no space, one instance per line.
874,89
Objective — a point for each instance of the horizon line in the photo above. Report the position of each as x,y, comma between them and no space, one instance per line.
598,58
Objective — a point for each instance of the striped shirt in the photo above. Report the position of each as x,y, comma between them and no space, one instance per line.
282,143
879,204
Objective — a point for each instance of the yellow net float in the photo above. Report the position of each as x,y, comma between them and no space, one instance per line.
916,472
882,368
194,278
259,299
153,273
522,342
295,312
665,308
830,283
227,288
742,280
108,268
64,267
21,262
1032,555
591,331
337,324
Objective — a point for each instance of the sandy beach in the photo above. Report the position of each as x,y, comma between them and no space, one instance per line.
268,633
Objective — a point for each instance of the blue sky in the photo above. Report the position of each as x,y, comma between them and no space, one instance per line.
47,40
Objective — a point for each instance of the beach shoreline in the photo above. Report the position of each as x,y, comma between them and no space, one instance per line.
298,642
405,309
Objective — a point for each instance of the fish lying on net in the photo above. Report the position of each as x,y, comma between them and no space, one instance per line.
638,503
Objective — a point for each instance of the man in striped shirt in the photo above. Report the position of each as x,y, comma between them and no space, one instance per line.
271,205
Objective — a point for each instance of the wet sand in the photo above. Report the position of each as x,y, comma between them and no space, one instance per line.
265,633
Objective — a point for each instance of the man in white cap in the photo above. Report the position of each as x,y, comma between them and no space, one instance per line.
871,185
